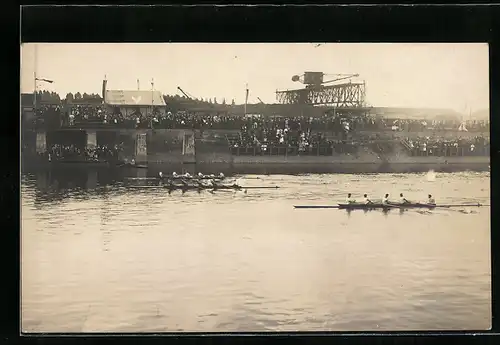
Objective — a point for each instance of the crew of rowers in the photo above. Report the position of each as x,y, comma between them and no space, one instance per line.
385,200
189,176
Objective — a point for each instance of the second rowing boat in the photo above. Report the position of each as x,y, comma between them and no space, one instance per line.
356,206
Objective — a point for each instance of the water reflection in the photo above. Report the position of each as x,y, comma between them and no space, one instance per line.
98,256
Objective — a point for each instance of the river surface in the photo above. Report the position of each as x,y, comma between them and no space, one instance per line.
99,256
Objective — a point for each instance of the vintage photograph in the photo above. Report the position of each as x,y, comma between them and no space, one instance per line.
260,187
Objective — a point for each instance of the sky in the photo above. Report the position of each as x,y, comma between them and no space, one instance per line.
452,75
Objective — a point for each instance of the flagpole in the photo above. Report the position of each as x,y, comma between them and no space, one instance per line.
152,102
246,99
34,80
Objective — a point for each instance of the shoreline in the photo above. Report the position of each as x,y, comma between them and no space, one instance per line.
273,167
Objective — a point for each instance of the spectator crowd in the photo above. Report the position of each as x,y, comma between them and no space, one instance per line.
433,146
262,134
59,152
99,114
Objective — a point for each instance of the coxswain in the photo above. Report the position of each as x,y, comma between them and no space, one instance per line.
350,200
402,199
366,199
430,200
385,200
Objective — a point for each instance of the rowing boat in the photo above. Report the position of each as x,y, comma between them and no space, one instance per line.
130,165
179,178
202,187
357,206
193,178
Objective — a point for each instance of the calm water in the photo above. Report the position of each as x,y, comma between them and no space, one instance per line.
98,258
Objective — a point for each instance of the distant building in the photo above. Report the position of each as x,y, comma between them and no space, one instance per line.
133,102
416,113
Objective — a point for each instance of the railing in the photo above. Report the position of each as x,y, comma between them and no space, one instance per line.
282,150
450,151
406,145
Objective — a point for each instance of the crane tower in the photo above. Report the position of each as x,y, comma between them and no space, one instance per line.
338,92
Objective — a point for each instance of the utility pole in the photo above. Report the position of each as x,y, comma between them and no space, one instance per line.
152,100
246,99
34,80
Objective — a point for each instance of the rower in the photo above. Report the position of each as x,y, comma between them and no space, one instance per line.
430,200
402,199
366,200
187,175
161,174
200,175
385,200
350,200
174,174
221,175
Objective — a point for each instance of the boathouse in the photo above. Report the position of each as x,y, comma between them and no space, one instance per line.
133,102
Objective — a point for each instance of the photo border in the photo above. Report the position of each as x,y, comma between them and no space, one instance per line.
221,23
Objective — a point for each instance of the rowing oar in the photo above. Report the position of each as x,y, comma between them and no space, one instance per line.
464,205
313,206
450,207
389,206
263,187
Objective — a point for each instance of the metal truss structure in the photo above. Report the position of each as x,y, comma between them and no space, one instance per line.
346,95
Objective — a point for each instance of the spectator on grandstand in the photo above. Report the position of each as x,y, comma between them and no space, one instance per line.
477,145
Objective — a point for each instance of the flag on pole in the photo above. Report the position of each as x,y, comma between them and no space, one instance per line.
45,80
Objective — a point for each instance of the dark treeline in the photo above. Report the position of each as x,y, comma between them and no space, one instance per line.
175,102
54,98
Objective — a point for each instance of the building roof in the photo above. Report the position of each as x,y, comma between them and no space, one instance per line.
140,98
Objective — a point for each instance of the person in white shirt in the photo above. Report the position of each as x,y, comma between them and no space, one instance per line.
430,200
160,174
221,175
350,200
385,200
402,199
366,199
200,174
174,174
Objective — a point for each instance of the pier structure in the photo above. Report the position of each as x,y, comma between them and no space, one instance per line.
128,119
141,148
91,136
41,142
